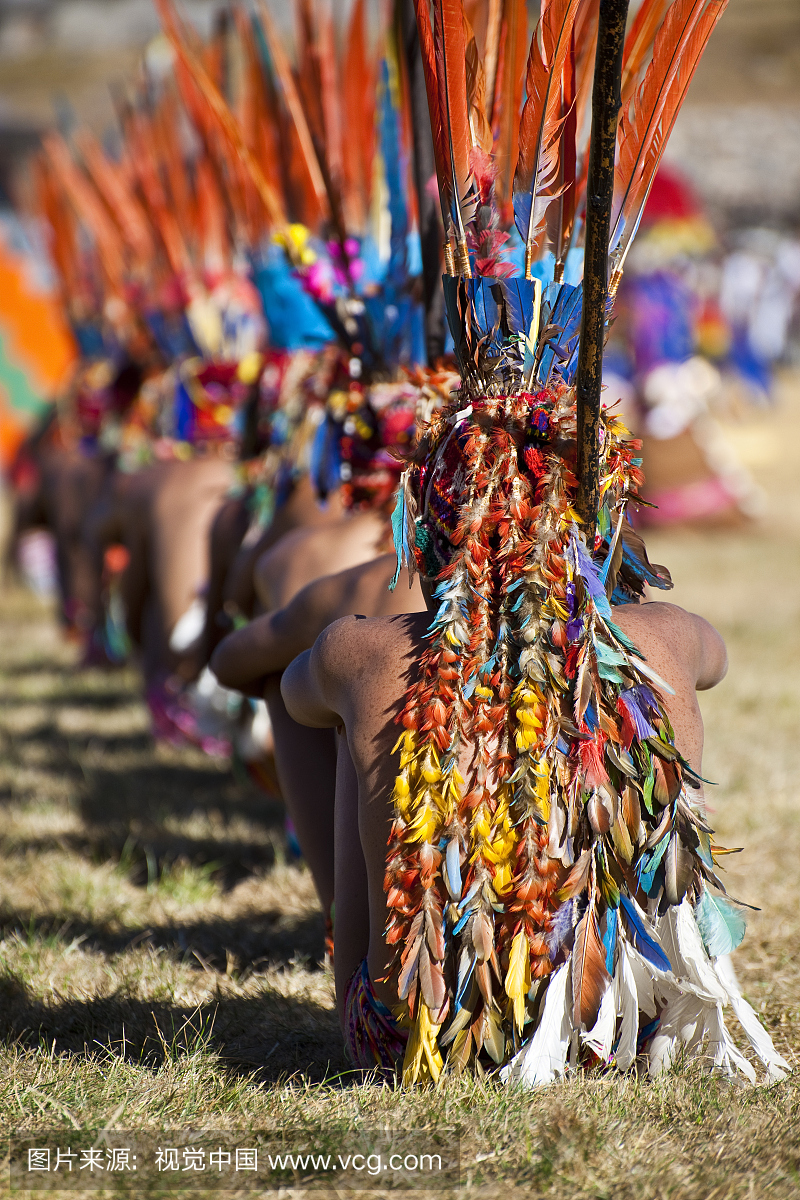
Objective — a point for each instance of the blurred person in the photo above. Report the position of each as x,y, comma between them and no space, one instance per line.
672,345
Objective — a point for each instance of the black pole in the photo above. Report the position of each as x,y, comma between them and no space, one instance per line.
599,196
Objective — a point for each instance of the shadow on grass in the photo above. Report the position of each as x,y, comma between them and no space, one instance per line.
134,810
75,698
266,1037
268,936
154,851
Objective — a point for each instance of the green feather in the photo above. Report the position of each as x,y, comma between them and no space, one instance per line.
720,923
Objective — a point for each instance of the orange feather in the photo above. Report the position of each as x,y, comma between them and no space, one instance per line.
645,128
451,76
638,42
358,96
541,126
124,207
291,98
589,975
479,128
222,114
507,98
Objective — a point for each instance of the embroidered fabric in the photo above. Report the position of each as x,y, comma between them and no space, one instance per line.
372,1036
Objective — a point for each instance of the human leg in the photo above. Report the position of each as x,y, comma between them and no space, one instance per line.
185,502
227,531
305,760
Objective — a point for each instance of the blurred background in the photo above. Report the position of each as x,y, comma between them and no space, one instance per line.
738,138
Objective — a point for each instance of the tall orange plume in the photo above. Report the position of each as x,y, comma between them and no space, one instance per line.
542,123
428,53
512,53
124,206
451,76
227,122
89,208
479,128
294,105
567,201
494,16
358,102
645,128
161,214
638,43
330,95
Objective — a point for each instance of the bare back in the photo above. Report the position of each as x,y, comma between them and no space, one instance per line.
309,553
358,674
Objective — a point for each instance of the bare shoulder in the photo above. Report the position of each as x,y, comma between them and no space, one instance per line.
346,646
334,595
287,546
667,632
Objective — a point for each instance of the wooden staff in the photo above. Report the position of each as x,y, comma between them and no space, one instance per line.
599,196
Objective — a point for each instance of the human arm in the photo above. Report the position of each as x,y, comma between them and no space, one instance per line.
269,643
712,657
265,645
304,691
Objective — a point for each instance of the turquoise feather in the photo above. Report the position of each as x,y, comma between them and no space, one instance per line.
721,924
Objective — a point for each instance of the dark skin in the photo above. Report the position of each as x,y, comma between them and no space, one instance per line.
235,585
71,482
251,660
303,555
162,515
356,676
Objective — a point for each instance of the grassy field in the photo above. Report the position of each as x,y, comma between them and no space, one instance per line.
160,959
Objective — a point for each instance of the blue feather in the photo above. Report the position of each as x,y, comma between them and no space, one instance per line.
588,572
399,534
610,938
462,984
648,863
641,938
560,927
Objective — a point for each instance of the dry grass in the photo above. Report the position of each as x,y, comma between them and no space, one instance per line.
160,959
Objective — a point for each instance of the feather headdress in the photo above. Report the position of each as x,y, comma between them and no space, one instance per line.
551,881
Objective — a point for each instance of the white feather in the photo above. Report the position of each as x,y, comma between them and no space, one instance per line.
697,966
543,1057
601,1036
683,1018
643,669
646,979
727,1056
776,1064
627,1004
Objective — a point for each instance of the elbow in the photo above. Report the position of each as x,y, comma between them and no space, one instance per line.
715,659
301,696
223,664
293,688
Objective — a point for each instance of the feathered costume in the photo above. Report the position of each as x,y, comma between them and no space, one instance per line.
344,240
551,876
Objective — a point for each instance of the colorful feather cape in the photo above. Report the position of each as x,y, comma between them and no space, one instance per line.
551,878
